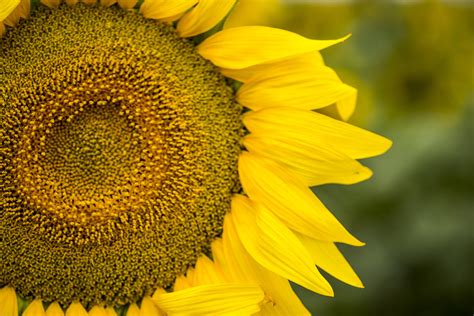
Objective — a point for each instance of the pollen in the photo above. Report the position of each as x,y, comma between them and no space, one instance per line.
118,158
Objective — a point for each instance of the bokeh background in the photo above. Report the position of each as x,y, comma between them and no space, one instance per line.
413,63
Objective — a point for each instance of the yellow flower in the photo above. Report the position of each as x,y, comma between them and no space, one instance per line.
136,179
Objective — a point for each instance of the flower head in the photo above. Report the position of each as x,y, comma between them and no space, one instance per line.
137,177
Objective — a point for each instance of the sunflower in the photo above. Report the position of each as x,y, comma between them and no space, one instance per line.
154,164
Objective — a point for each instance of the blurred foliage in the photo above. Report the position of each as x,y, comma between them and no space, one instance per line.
413,65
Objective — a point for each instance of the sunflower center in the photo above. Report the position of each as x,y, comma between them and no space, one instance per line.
89,154
118,157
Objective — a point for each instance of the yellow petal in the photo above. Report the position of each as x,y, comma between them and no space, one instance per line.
8,303
109,311
89,2
76,309
132,310
206,272
7,7
288,197
181,283
239,266
34,309
98,311
127,4
159,291
245,74
24,8
190,276
212,299
302,83
348,139
217,247
312,65
203,17
149,308
107,3
275,247
316,164
102,311
2,29
13,18
51,3
161,9
347,104
71,2
329,258
54,310
242,47
172,18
